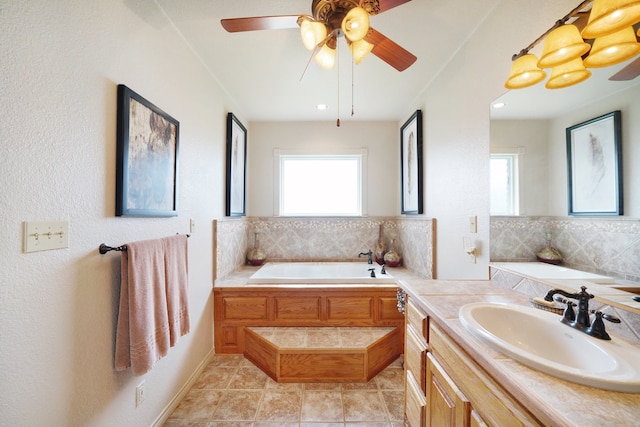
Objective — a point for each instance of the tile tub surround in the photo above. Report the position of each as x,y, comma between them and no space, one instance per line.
607,246
552,400
323,239
232,391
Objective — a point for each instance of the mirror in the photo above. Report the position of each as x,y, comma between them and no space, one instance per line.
531,116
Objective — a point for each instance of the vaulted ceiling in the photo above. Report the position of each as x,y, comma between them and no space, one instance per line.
262,71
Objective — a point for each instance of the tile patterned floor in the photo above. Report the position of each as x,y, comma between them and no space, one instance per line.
232,392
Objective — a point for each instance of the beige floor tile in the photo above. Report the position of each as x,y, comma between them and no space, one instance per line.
238,405
248,378
394,402
197,405
390,379
214,377
363,405
280,406
322,406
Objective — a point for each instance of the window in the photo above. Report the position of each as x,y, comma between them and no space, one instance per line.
504,184
320,184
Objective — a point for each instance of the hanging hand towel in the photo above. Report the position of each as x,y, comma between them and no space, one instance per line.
142,336
176,272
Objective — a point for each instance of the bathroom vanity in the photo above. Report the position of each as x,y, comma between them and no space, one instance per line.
454,379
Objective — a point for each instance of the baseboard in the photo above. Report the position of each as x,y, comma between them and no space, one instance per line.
164,415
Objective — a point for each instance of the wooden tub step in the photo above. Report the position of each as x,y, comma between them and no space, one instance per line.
322,354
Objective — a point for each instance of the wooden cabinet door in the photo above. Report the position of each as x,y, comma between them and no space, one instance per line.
414,405
415,356
446,405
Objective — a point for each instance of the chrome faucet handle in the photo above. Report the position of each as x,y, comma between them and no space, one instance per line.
373,272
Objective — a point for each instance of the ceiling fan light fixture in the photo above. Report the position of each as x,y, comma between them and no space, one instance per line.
568,74
360,49
326,57
312,33
524,72
562,45
355,24
609,16
613,49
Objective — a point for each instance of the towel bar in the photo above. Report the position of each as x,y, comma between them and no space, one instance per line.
104,248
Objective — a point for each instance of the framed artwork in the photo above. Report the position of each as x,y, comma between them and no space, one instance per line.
594,166
411,164
236,167
147,158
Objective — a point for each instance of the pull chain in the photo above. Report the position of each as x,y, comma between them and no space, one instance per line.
352,84
338,59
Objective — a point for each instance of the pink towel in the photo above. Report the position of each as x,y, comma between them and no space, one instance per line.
142,336
177,281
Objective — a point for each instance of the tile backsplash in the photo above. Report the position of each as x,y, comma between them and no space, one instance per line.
323,239
608,246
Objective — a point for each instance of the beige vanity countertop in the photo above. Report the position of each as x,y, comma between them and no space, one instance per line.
552,400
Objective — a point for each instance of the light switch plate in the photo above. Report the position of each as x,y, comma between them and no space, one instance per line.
473,224
45,235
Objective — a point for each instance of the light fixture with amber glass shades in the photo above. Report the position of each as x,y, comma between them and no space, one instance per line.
562,45
355,24
610,16
613,49
524,72
567,74
312,33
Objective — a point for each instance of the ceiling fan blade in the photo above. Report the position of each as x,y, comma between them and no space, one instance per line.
389,51
234,25
629,72
390,4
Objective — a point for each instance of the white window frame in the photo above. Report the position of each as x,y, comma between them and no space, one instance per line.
280,155
516,157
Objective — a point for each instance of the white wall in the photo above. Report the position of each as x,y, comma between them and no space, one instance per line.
628,102
529,139
381,139
456,113
60,64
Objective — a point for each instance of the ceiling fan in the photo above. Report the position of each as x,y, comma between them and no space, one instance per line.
330,20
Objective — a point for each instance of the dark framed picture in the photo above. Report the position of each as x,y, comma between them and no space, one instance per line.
594,166
411,164
147,158
236,167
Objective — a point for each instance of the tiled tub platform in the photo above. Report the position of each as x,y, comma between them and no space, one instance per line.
322,354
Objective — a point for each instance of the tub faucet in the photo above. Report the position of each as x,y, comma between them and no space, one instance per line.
368,254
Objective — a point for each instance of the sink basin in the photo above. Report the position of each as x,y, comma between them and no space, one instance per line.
537,339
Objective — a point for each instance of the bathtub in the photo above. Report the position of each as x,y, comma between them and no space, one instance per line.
319,273
544,271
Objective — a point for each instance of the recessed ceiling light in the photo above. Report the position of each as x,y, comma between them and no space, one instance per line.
499,105
322,107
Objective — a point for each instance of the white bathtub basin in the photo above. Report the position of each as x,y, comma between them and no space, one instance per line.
320,273
537,339
541,270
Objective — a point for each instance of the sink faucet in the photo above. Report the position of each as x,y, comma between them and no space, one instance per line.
581,320
368,254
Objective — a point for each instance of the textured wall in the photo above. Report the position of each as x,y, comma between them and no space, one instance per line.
60,63
323,239
605,246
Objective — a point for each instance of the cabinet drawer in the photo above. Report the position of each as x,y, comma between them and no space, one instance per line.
417,319
414,356
493,404
415,402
